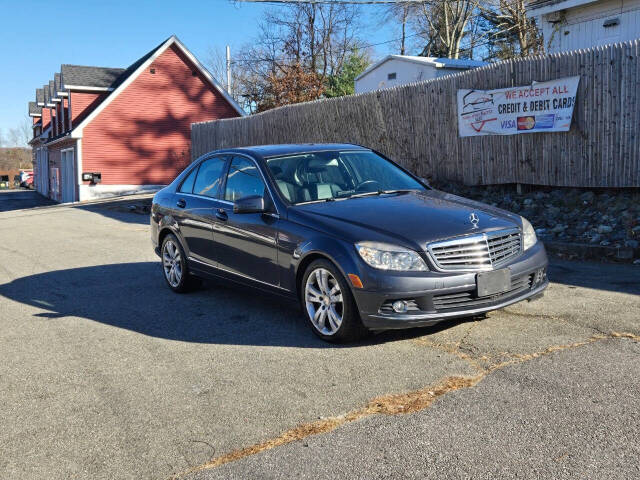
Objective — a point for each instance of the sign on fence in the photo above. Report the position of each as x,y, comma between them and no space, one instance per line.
539,107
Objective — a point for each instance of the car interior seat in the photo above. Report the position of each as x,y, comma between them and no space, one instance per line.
287,189
321,180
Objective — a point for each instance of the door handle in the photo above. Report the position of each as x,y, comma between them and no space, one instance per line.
221,214
181,203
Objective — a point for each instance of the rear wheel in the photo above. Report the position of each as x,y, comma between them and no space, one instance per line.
174,266
329,304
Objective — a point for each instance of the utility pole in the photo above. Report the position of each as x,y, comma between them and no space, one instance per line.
229,70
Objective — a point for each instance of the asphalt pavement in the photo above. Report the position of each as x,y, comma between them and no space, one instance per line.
21,198
107,374
568,415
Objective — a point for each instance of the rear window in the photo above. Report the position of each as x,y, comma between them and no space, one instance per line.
187,185
209,177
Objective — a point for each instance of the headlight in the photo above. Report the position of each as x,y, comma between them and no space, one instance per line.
529,238
390,257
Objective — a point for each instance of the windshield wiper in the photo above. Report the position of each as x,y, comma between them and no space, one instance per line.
356,195
322,200
378,192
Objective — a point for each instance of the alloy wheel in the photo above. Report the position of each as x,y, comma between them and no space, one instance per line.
324,302
171,262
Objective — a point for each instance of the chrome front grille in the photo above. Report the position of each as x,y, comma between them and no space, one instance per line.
503,246
476,252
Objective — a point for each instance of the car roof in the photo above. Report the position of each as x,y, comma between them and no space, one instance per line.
276,150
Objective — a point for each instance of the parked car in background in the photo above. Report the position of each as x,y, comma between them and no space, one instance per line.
362,243
4,182
26,178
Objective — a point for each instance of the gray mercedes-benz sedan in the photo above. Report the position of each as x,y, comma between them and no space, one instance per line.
360,241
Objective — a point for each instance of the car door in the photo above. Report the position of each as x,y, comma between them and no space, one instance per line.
246,242
196,208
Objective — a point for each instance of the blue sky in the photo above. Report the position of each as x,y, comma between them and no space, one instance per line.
37,36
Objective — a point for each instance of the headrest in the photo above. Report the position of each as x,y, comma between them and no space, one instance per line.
317,165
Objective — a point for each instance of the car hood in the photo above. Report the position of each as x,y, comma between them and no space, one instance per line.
412,218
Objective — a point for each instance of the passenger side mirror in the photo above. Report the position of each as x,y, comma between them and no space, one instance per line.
425,181
249,204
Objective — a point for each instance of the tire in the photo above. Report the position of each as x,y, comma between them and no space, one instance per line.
328,304
175,270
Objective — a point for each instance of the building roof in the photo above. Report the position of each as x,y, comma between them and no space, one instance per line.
53,95
45,93
547,6
532,4
101,78
130,70
34,110
114,80
92,77
448,63
40,96
56,83
138,66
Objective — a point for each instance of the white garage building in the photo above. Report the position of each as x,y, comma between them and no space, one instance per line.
575,24
394,70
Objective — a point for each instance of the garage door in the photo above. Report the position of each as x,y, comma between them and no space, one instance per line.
68,184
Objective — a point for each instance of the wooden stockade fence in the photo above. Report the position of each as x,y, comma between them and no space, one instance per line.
416,124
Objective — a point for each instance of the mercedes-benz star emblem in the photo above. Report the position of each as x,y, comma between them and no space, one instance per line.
474,219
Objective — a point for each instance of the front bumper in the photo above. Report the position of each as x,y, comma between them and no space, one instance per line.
438,296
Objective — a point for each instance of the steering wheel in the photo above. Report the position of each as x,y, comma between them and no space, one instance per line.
368,186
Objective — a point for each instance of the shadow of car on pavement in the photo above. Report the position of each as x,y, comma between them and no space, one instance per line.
133,296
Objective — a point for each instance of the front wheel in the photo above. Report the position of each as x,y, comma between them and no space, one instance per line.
329,304
174,266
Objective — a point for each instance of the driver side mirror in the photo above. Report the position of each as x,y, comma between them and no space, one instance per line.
249,204
425,181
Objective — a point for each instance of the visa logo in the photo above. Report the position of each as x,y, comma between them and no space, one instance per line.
506,124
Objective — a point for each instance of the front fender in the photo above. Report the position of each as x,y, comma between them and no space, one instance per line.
342,254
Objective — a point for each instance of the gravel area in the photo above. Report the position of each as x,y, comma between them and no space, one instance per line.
606,218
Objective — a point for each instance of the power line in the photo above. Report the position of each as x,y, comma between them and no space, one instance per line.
247,60
342,2
462,50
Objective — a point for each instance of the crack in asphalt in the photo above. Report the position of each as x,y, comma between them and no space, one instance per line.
561,319
401,403
389,404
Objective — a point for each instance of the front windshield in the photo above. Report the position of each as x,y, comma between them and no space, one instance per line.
326,176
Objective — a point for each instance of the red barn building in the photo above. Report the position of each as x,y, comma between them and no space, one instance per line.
108,131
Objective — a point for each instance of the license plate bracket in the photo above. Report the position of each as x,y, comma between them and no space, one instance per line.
494,282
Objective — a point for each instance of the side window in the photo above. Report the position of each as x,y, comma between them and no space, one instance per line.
209,177
243,180
187,184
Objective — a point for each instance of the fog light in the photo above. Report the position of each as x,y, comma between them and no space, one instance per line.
539,277
400,306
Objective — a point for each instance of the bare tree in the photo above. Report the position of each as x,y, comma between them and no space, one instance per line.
26,130
512,32
316,36
216,61
443,24
400,13
21,134
301,45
